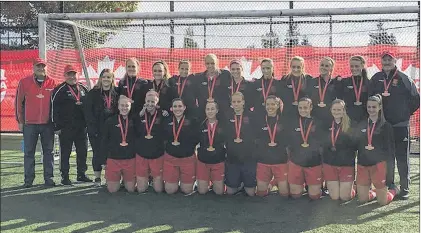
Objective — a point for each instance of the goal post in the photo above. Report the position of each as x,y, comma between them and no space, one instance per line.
94,41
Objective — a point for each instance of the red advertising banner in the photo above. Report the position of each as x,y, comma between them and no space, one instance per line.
16,65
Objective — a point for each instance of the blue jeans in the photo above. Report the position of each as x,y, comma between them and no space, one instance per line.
30,138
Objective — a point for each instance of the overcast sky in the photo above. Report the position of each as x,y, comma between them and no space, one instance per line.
241,36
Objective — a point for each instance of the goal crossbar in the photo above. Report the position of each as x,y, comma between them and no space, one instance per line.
230,14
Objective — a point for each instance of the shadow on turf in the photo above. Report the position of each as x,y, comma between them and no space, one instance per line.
79,204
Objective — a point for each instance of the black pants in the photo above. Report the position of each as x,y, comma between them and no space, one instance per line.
96,147
69,136
401,135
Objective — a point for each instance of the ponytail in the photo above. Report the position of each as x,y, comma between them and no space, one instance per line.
378,98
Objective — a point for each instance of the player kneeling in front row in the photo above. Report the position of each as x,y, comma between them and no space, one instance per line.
181,138
211,153
305,160
149,144
272,142
118,148
339,154
241,162
375,145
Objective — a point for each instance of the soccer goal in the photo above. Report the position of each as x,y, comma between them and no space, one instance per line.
94,41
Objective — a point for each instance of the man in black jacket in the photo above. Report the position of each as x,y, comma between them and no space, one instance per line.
400,100
69,123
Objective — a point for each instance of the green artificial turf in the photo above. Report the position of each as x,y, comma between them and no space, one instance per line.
85,208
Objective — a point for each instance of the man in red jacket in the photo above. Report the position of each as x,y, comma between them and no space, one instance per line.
32,106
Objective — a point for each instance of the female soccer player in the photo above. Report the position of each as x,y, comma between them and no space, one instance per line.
271,146
181,137
160,85
339,154
133,87
101,103
324,92
239,141
149,144
118,143
265,86
239,83
182,84
354,90
211,153
212,85
295,85
305,160
375,145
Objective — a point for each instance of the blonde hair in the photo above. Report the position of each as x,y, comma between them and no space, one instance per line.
301,60
167,74
184,61
213,57
123,98
362,60
98,85
329,59
153,93
239,94
346,121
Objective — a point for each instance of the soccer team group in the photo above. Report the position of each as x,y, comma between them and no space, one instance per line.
217,130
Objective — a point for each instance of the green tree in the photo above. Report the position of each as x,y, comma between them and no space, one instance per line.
381,36
270,40
17,15
188,39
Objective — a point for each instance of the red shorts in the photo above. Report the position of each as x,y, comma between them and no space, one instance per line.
265,172
336,173
210,172
299,175
144,167
179,169
372,174
121,167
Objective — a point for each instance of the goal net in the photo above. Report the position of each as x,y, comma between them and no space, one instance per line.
95,44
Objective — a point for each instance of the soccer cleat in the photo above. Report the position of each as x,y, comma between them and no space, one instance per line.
66,181
404,194
97,182
83,178
49,183
27,185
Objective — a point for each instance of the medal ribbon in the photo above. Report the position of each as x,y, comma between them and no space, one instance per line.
386,88
77,97
333,135
238,125
123,133
130,90
370,132
176,134
357,91
322,93
211,132
296,92
149,126
305,137
264,91
232,86
180,88
272,134
210,89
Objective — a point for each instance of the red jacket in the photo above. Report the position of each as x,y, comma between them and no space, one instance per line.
32,101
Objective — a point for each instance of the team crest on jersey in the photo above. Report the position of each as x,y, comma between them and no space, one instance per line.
170,123
204,83
265,128
317,86
259,89
330,129
381,80
204,131
117,125
298,129
289,86
230,87
395,82
232,120
350,87
364,130
143,121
